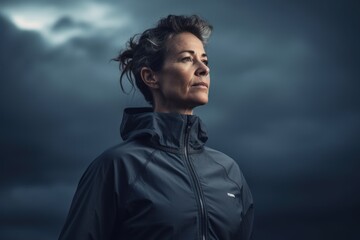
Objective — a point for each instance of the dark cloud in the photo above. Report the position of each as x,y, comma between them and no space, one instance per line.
43,91
38,119
67,23
284,103
40,2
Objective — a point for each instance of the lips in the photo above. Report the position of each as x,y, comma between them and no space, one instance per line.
200,84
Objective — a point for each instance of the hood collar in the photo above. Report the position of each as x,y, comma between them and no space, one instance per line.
164,129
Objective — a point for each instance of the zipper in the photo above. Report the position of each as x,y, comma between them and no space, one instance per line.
198,192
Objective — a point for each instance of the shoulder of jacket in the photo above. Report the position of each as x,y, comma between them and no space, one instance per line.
219,155
124,150
224,160
128,153
124,157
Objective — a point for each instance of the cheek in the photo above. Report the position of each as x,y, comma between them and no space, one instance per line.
176,81
181,81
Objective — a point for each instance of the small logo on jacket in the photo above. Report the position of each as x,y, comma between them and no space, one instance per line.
231,195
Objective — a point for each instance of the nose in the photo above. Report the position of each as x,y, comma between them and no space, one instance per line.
202,69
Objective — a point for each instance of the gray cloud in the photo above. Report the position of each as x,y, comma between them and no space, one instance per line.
67,23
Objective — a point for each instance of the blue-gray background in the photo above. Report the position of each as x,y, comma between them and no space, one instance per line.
284,103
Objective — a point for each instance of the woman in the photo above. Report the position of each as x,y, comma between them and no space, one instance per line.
162,182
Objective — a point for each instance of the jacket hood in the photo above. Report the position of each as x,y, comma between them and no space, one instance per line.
164,129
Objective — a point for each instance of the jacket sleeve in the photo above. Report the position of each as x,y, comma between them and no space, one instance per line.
94,211
248,206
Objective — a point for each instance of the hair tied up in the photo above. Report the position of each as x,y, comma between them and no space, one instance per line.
148,49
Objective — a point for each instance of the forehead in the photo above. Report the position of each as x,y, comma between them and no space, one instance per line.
185,41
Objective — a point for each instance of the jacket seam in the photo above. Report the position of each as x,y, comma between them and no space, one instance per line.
174,150
143,168
229,178
165,149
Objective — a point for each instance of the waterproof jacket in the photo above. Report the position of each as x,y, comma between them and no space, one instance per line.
161,183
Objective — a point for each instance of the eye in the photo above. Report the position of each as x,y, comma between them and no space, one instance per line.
206,62
187,59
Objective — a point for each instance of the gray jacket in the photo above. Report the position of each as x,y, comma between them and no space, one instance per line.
161,183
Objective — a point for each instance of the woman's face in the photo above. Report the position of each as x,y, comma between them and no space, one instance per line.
184,79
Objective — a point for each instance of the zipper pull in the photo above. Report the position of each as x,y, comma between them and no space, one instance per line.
188,128
188,125
187,131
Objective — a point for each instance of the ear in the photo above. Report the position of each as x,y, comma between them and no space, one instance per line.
149,78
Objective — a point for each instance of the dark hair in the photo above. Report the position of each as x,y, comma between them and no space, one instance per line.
148,49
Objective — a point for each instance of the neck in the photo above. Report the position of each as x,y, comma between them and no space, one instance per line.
168,108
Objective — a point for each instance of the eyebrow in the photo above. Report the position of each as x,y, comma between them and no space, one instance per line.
192,52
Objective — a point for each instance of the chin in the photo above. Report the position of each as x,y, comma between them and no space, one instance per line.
200,102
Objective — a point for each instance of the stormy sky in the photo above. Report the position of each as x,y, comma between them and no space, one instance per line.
284,103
